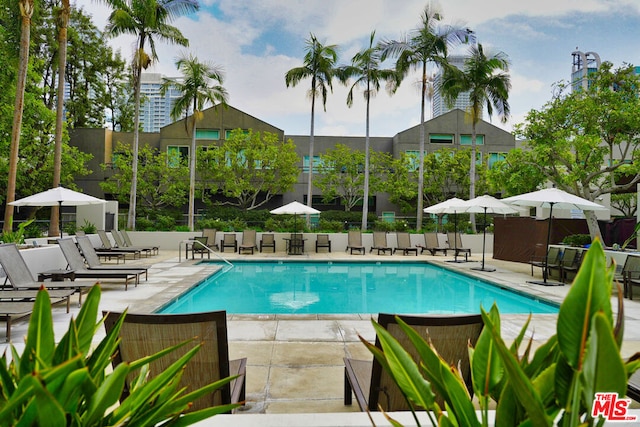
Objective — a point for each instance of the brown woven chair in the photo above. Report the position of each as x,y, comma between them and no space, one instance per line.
380,243
404,243
371,384
146,334
431,244
354,241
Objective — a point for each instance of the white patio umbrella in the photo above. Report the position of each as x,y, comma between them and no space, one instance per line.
294,208
58,196
449,206
487,204
552,197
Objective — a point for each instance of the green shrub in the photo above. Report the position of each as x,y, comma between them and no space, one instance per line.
165,223
578,240
16,236
216,224
89,228
66,384
330,226
145,224
380,225
554,384
34,230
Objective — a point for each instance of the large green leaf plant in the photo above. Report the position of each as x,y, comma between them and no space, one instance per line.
68,383
553,385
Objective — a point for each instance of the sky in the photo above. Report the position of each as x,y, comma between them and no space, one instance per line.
257,42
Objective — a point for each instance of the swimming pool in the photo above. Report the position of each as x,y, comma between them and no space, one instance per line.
276,287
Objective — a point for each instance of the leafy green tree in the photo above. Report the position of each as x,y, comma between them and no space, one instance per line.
149,21
163,178
426,44
116,97
26,11
516,174
198,91
248,168
342,174
319,65
581,139
365,69
485,78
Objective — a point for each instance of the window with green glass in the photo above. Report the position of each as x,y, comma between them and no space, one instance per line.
414,159
440,138
227,133
176,154
496,157
213,134
316,164
466,139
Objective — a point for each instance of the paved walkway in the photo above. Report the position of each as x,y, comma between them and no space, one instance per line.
295,362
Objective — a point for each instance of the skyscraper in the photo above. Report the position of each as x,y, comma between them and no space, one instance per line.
438,104
155,108
583,65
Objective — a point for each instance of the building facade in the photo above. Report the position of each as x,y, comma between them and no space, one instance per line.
451,129
155,107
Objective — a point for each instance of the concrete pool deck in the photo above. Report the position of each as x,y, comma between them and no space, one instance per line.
295,361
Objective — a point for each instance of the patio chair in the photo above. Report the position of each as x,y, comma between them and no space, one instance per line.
404,243
120,243
108,247
145,334
633,386
572,266
354,241
76,263
455,243
21,278
380,243
431,244
229,241
268,240
450,335
629,274
13,310
210,234
295,244
93,261
567,259
544,260
128,243
248,241
322,241
198,245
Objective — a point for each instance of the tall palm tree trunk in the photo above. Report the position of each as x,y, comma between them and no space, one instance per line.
26,11
63,21
365,200
311,137
192,175
137,76
421,149
472,173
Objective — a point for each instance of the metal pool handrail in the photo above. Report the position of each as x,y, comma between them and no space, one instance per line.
211,251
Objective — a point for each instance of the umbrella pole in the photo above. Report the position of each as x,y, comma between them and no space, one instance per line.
60,219
484,239
545,272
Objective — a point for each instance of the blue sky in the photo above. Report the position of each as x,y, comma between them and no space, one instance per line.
257,42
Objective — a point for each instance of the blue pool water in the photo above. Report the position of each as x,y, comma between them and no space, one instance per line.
341,288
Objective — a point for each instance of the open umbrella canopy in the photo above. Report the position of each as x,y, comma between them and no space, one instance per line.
294,208
487,204
553,197
452,205
58,196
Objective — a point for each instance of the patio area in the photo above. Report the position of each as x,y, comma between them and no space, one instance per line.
295,363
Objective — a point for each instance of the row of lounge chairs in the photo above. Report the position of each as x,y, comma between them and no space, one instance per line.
403,243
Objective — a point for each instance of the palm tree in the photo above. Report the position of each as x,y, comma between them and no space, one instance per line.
365,68
148,20
426,44
319,64
26,12
63,21
487,81
197,92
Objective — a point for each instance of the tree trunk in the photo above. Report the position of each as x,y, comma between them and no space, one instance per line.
63,21
192,175
365,200
131,220
592,223
26,10
421,149
472,172
310,175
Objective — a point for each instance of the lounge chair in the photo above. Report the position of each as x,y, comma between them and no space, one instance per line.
322,241
29,295
633,386
380,243
455,243
107,246
210,234
128,243
76,263
450,335
21,278
146,334
120,244
248,241
354,241
229,241
268,240
431,244
404,243
198,245
93,262
12,310
544,261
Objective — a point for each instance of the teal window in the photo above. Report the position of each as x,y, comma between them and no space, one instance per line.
414,159
213,134
466,139
440,138
176,154
227,133
316,164
496,157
